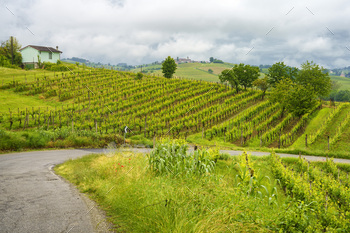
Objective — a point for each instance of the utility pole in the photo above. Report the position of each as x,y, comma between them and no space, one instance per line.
11,50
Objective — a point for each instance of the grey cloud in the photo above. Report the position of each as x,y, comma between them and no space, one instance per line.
136,31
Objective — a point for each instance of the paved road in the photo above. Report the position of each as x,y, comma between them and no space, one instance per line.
34,199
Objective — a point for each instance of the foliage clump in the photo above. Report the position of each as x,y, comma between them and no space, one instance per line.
171,158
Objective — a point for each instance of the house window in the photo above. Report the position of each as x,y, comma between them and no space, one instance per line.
50,55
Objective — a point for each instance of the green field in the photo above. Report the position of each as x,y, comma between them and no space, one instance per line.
344,83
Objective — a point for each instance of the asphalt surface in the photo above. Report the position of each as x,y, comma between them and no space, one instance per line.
34,199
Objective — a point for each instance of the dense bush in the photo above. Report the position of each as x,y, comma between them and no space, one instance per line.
11,141
5,62
55,138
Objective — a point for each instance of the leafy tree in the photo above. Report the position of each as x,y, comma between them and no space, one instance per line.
297,98
281,93
210,71
314,76
168,67
217,61
4,61
262,84
229,76
246,74
301,99
278,71
11,51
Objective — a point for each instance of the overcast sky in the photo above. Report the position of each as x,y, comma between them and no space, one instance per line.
135,31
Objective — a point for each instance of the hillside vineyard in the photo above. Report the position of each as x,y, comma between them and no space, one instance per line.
105,101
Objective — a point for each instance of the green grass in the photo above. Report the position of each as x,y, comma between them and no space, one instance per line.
139,201
13,101
171,191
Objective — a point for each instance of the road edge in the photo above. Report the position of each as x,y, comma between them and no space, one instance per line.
97,216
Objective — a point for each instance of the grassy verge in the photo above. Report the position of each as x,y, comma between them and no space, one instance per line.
147,195
171,191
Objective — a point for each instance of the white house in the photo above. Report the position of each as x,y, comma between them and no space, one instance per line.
31,53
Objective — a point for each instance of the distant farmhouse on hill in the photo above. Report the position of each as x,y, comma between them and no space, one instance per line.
31,53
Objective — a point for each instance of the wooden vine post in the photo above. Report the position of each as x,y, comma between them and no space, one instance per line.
305,140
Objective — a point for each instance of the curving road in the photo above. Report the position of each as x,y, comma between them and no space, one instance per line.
34,199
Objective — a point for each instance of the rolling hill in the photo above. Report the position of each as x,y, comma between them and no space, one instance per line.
103,102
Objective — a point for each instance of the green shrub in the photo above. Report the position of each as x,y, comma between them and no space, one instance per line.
139,76
79,141
11,141
35,139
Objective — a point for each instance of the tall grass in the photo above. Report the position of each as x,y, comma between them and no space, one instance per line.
170,157
141,198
